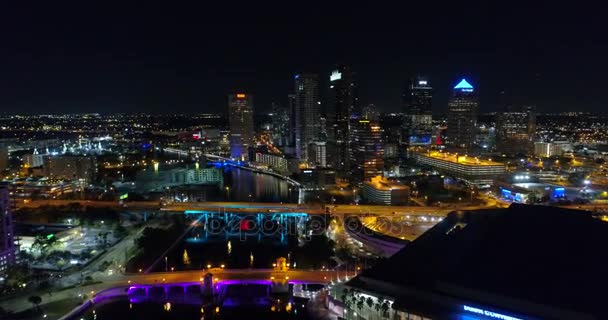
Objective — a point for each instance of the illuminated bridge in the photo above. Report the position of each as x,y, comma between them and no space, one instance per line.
248,224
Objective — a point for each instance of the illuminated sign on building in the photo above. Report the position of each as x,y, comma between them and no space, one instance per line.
241,95
422,82
488,313
335,75
464,84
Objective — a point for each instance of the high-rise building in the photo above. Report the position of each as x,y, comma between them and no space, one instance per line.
70,167
418,118
240,118
3,157
462,115
515,131
318,154
343,107
280,125
307,106
7,238
368,149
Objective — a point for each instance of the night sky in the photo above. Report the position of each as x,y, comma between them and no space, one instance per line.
56,58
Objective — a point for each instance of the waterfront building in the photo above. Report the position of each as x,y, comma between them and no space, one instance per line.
156,180
276,162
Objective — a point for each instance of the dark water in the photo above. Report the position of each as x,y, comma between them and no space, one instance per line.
122,309
236,248
244,186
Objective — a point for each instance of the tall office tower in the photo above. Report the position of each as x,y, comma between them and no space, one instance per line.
307,106
462,115
280,125
368,149
530,111
318,154
291,136
417,109
240,119
3,157
343,106
515,131
7,238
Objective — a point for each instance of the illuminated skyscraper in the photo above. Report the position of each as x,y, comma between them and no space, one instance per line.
342,109
307,105
515,131
240,118
368,149
7,241
462,115
417,110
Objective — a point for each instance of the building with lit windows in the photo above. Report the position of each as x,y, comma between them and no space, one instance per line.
8,249
549,149
515,131
275,162
240,118
462,115
70,167
417,103
379,190
368,149
307,113
318,154
508,264
471,169
156,180
343,105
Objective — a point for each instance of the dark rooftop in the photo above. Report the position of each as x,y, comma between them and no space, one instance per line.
536,260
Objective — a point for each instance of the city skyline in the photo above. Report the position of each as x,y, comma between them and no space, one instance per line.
136,63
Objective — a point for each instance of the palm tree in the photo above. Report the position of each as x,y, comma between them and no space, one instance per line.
377,307
360,303
385,307
370,302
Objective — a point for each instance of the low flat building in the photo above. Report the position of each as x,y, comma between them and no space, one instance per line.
385,192
471,169
70,167
156,180
523,262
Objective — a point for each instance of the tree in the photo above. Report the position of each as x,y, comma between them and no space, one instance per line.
370,302
360,303
385,307
35,301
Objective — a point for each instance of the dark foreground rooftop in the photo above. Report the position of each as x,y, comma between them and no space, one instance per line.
530,261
